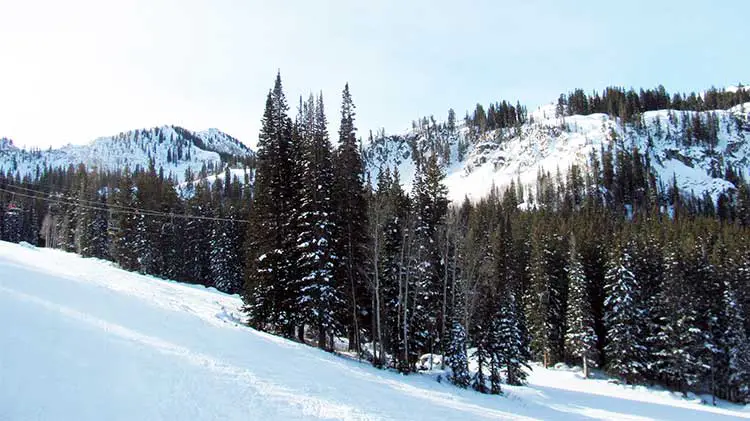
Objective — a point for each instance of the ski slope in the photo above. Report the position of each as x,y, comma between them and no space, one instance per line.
83,340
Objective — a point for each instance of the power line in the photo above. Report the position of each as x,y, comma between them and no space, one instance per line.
130,211
69,197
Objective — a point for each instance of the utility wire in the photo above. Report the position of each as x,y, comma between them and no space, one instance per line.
70,196
62,196
127,211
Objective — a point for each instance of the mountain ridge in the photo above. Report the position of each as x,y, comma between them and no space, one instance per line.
550,143
473,162
172,148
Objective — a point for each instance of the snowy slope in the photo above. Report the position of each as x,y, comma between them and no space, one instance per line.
187,189
82,340
549,143
172,148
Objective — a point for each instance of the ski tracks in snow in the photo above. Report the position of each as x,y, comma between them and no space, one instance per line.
309,406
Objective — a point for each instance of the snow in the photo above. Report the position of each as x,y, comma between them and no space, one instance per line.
131,149
551,143
735,88
240,173
84,340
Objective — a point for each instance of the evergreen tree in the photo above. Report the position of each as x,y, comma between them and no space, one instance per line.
268,294
195,236
123,251
456,355
624,349
580,337
483,358
509,344
12,226
737,347
319,297
225,273
545,298
97,231
430,209
351,223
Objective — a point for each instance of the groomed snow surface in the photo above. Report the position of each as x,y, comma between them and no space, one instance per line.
83,340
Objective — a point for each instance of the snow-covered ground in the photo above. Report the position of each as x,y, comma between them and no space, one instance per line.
83,340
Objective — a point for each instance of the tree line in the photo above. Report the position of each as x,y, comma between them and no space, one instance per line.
629,104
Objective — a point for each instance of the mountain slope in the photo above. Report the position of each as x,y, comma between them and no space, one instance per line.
170,147
553,143
84,340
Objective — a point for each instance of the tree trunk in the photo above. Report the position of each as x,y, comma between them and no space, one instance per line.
405,308
585,368
355,323
322,338
378,332
445,300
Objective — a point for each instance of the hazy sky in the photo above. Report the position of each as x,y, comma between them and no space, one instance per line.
76,69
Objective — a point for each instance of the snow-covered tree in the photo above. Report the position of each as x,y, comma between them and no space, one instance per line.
268,294
226,273
544,299
508,344
580,337
431,206
319,296
737,347
483,357
351,223
624,349
456,355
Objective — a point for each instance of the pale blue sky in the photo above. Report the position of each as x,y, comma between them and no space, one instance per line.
74,70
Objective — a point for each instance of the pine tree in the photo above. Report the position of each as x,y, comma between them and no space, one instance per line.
351,222
430,210
456,355
508,342
225,274
97,231
319,297
544,299
580,337
123,251
196,236
681,340
84,214
12,225
268,294
391,259
737,347
483,358
624,349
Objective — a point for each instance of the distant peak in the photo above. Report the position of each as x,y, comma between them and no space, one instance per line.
6,143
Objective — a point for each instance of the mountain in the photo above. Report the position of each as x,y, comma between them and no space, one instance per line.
172,148
474,162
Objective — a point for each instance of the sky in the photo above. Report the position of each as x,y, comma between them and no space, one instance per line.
74,70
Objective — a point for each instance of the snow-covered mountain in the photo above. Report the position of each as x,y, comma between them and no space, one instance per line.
473,163
172,148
